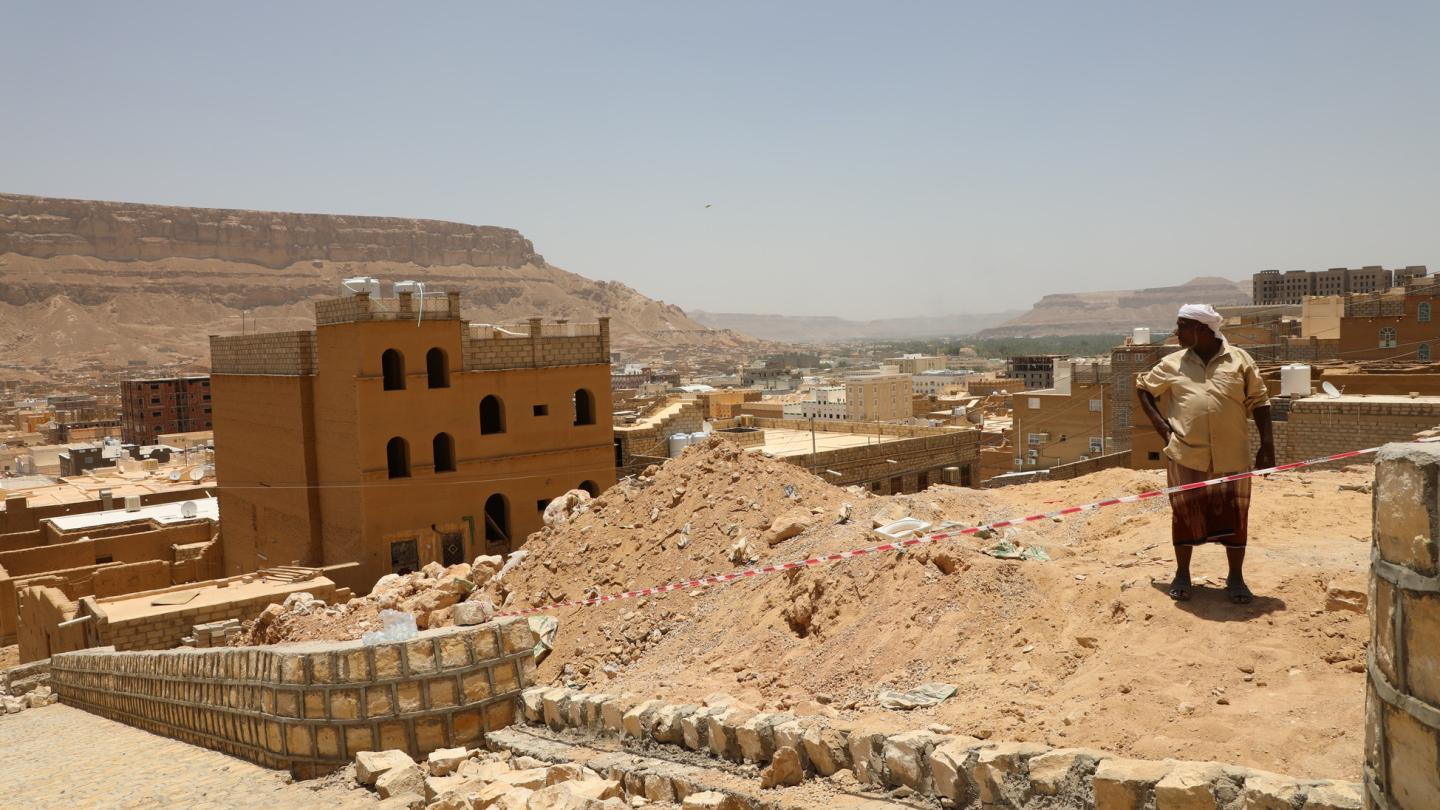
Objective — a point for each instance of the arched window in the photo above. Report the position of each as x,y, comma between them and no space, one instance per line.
497,519
1387,337
589,486
1422,312
444,452
392,365
397,455
584,407
492,415
1423,353
437,368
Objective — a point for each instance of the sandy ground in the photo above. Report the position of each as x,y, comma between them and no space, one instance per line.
1083,650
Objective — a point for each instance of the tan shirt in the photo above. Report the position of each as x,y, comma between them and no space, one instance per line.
1207,407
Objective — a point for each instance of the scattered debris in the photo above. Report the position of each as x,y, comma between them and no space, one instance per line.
929,694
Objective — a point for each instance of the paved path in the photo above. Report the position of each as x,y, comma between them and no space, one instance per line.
58,756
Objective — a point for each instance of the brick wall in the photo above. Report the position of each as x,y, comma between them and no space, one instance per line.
311,707
285,353
1319,427
1402,701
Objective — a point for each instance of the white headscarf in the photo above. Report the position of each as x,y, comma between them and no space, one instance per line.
1204,313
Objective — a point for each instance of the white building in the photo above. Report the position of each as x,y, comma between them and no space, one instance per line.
937,381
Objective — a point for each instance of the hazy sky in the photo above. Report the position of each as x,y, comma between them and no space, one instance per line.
863,160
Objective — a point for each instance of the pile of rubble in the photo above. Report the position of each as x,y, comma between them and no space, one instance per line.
462,779
435,595
34,699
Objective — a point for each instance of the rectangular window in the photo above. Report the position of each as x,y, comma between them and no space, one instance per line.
1097,444
1096,405
1036,439
541,410
1152,456
1034,403
104,558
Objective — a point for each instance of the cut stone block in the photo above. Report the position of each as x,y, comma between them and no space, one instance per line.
1189,786
401,779
1336,796
949,765
369,765
906,759
784,770
1127,784
443,761
1064,771
827,747
637,721
999,770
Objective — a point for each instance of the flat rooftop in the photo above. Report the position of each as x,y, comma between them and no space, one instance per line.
162,513
655,418
82,488
783,442
138,606
1379,399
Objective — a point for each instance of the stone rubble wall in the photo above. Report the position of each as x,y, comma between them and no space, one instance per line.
310,707
1402,702
956,770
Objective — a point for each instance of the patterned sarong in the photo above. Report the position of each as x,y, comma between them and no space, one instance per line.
1216,514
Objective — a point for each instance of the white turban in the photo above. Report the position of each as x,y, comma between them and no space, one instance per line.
1204,313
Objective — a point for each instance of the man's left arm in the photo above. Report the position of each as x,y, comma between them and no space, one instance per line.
1257,402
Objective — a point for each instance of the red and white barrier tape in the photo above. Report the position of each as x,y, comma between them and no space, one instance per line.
735,576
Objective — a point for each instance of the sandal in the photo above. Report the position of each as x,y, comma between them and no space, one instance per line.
1239,594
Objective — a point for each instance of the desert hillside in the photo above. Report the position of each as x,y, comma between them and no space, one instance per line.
1118,311
134,282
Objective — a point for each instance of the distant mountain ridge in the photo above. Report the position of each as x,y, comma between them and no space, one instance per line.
829,329
1118,311
82,280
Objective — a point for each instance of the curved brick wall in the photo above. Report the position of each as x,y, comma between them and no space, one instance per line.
1402,704
310,707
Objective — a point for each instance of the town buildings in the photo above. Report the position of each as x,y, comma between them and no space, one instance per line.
1065,423
915,363
825,402
1037,370
1400,324
150,407
936,381
395,434
1292,286
878,396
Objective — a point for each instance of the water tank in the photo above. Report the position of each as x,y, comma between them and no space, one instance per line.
678,443
1295,380
357,284
408,285
1140,336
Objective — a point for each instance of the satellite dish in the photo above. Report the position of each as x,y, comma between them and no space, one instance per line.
174,475
197,474
1330,390
188,509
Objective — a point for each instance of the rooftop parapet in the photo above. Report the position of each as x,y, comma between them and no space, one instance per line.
405,306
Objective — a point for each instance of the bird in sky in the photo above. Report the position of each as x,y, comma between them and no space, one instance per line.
707,205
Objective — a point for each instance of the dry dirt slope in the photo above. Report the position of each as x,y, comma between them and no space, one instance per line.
81,279
1082,650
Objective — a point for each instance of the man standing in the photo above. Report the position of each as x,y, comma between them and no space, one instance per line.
1211,388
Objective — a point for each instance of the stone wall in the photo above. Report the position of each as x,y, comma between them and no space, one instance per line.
1402,704
310,707
538,349
289,354
952,770
160,631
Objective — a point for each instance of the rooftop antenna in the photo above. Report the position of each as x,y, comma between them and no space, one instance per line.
188,510
1330,390
197,474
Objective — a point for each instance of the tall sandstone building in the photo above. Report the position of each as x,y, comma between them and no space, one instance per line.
396,434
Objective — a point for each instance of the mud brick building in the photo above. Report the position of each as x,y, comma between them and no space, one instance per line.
151,407
395,434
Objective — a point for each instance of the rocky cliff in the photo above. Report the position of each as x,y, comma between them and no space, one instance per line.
82,279
1118,311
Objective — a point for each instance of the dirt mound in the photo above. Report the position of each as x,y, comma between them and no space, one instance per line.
1082,649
